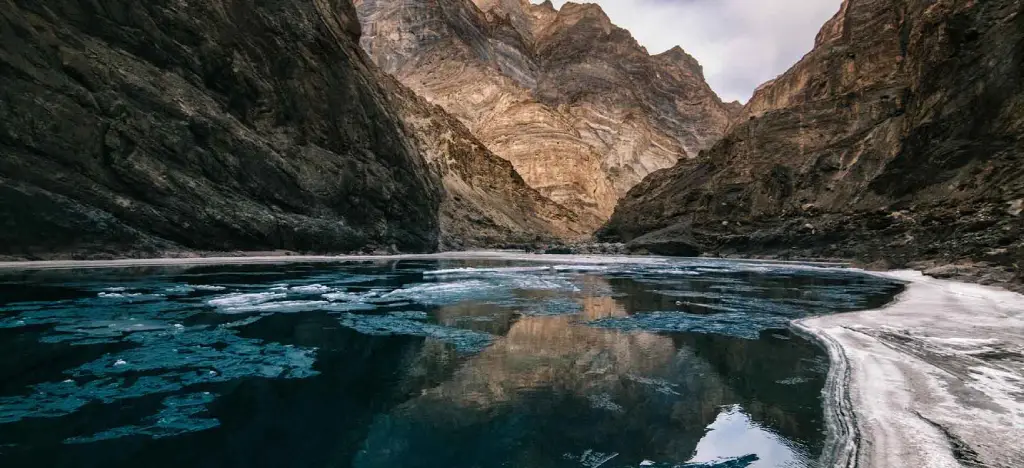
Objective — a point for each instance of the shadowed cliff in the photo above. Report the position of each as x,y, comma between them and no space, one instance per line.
165,127
897,139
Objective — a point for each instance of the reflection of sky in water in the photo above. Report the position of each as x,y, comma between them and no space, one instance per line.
497,362
734,434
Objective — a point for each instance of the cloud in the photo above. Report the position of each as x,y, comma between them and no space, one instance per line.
740,43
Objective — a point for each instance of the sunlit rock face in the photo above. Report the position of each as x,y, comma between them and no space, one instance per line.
897,138
572,101
485,201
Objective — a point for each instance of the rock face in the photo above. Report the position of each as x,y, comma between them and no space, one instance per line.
572,101
131,129
135,128
486,203
898,138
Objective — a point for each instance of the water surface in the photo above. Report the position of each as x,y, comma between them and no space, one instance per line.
436,363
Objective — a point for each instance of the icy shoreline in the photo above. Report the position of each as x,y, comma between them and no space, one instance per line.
935,378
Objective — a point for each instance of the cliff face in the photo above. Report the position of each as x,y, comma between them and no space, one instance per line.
133,128
574,103
147,128
897,138
486,203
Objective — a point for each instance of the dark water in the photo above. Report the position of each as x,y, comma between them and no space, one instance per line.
417,364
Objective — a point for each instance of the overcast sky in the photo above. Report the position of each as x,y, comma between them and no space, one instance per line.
740,43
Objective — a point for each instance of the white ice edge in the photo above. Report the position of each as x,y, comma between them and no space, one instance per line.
904,402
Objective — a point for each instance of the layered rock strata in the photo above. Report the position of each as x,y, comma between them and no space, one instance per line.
580,109
896,140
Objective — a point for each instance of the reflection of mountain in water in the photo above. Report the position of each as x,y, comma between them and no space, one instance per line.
552,383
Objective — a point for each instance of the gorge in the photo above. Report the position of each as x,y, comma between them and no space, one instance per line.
244,232
579,108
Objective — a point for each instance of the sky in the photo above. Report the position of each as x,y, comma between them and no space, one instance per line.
740,43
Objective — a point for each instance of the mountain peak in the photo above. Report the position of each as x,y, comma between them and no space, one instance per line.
578,107
680,57
584,9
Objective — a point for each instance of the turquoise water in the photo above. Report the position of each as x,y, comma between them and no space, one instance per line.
435,363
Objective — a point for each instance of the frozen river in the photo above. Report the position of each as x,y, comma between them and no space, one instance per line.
419,363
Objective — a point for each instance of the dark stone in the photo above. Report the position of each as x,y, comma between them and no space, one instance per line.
674,241
142,128
898,139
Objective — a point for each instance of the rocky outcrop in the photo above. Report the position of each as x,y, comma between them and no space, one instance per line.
133,128
164,127
573,102
897,139
486,203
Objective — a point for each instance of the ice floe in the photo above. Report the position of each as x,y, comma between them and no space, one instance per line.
736,324
160,362
179,415
311,289
466,341
245,299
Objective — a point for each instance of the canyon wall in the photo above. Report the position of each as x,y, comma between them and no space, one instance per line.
167,127
897,139
580,109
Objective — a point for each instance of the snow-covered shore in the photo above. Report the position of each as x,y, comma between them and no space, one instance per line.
934,379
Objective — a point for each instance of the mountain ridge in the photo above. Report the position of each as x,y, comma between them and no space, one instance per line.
581,110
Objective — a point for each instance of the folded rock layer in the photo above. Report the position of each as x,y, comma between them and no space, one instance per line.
580,109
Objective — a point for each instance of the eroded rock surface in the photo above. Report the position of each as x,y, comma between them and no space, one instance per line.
486,203
133,128
897,139
573,102
145,129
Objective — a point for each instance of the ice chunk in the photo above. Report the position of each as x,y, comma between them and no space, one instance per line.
114,295
294,306
410,315
442,293
736,324
466,341
188,288
244,299
311,289
179,416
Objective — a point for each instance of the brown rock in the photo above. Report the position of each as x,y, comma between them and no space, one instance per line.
572,101
485,203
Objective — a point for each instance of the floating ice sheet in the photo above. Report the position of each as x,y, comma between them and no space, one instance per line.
736,324
466,341
245,299
180,415
162,361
